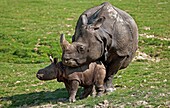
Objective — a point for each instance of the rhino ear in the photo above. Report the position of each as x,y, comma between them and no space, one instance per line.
63,42
98,22
84,19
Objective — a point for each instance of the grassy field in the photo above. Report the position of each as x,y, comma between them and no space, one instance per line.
29,29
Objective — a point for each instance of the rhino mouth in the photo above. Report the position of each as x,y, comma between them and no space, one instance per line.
71,62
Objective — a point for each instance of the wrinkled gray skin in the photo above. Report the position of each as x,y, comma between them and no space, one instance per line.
103,33
84,76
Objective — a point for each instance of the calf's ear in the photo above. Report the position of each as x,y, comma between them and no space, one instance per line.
63,42
55,60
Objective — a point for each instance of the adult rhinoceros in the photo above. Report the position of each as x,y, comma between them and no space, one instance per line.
103,33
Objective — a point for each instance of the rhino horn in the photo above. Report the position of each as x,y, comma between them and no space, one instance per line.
63,42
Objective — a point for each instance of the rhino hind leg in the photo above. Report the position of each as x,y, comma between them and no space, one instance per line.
87,91
111,70
127,61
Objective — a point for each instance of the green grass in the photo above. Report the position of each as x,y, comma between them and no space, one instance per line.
29,29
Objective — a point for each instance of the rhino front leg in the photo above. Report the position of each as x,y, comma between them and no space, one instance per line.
111,70
73,90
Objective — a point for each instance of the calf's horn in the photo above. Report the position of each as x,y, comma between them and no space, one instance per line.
51,57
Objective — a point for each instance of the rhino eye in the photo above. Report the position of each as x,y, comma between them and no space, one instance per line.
81,49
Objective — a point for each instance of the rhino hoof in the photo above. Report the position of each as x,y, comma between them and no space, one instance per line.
99,94
109,90
72,100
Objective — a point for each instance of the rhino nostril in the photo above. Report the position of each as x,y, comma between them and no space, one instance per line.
66,59
39,76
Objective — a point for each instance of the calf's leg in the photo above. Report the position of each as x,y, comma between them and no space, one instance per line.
101,73
73,90
67,85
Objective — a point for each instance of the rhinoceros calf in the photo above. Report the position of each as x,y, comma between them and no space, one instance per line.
86,76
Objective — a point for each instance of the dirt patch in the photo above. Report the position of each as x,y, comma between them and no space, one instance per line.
141,56
153,36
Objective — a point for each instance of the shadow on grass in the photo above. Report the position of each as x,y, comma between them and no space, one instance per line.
34,99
